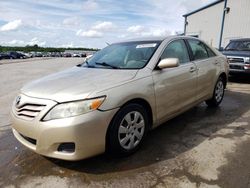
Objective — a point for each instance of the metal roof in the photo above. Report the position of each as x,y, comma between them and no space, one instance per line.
202,8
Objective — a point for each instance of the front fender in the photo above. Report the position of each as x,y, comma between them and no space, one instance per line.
142,88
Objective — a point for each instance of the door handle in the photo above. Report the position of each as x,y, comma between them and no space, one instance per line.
192,69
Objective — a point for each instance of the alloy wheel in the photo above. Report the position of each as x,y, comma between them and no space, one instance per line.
219,90
131,130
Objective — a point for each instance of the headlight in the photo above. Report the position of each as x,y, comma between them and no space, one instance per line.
70,109
247,59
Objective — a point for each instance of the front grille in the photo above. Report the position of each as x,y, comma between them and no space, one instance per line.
236,60
29,111
236,67
31,140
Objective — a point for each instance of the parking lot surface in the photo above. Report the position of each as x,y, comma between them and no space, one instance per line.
204,147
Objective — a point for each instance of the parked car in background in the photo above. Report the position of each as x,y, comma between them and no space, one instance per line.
28,55
111,101
56,54
4,56
38,54
83,55
67,55
16,55
238,55
45,54
76,55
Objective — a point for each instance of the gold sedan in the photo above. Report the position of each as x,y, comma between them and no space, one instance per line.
115,97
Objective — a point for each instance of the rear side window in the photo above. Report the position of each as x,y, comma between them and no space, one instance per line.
176,49
210,52
198,49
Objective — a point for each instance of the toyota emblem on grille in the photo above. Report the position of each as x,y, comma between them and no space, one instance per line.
18,99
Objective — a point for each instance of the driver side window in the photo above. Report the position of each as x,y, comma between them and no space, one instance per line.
176,49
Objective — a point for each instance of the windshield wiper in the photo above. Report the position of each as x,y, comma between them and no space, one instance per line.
231,49
81,64
106,65
88,65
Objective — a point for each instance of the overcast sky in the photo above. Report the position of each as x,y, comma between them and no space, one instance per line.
89,23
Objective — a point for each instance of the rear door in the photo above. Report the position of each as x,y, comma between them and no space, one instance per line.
207,65
175,88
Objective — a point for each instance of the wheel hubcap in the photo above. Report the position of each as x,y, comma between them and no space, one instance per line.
219,90
131,130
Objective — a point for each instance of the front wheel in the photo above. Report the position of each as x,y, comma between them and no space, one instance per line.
127,130
218,94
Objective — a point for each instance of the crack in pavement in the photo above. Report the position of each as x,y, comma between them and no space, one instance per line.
158,180
194,178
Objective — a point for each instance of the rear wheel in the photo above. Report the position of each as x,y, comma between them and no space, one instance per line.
127,130
218,94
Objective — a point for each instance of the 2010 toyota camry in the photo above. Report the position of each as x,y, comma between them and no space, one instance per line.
113,99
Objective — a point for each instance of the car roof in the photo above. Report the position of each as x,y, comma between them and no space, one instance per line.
157,38
145,39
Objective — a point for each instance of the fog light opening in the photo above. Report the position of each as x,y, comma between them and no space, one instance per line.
68,147
247,66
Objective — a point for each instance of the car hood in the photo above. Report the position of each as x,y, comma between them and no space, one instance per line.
76,83
237,53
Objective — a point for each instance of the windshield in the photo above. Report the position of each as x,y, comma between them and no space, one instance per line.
127,55
238,45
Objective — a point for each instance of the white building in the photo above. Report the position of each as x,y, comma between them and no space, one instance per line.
219,22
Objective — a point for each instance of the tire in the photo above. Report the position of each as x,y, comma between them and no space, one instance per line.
218,93
125,135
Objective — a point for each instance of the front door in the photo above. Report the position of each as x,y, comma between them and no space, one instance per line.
175,88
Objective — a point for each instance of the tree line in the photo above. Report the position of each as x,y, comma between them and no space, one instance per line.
36,48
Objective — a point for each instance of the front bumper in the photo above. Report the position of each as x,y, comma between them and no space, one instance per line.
87,132
238,65
239,71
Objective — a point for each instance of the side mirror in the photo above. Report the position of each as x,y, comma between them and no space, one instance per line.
169,63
